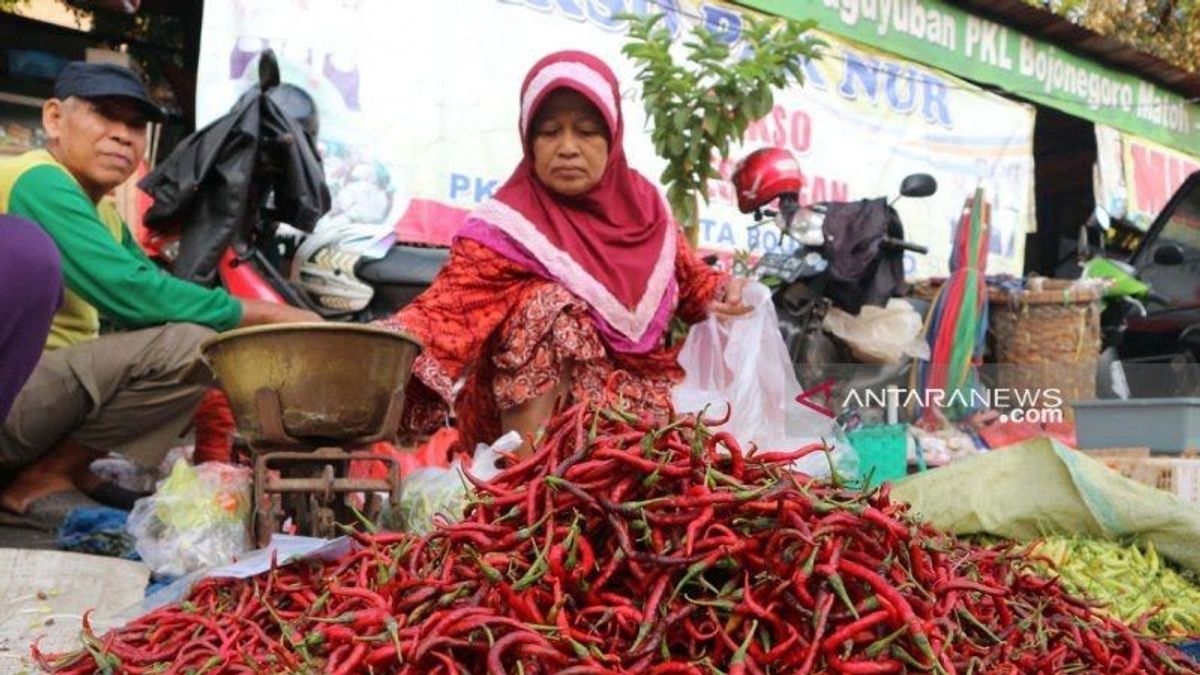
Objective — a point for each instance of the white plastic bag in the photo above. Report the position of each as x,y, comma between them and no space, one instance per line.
195,519
880,334
434,491
743,362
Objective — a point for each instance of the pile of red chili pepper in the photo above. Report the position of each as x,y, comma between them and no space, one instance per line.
622,546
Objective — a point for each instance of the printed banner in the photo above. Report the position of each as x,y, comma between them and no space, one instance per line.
419,106
1152,174
1137,176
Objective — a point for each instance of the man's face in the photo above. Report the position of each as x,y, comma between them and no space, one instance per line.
100,140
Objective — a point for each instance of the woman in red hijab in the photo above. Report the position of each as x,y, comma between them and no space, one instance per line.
573,272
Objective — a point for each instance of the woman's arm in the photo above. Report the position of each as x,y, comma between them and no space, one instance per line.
454,318
704,290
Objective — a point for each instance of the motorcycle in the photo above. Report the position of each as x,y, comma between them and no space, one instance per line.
842,254
239,203
1150,323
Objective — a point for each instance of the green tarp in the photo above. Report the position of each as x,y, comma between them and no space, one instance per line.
1041,487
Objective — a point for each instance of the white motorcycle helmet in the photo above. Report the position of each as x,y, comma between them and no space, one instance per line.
323,268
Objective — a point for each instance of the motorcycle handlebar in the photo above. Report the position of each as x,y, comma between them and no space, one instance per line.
1158,299
892,243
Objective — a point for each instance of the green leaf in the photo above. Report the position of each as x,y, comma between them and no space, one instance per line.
765,101
681,117
697,106
675,146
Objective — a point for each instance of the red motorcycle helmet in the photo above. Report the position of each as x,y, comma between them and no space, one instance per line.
763,176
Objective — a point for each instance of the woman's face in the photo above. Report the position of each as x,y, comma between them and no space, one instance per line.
570,143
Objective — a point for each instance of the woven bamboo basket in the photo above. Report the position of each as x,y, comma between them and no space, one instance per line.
1048,338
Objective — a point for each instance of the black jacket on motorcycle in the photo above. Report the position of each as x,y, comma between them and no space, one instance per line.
214,185
861,270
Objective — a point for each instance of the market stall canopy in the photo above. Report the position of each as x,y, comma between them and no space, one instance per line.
1026,54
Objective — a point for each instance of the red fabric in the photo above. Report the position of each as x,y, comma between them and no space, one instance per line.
435,452
213,421
617,230
463,323
1002,434
426,221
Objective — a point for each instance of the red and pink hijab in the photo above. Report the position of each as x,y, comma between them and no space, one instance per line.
614,246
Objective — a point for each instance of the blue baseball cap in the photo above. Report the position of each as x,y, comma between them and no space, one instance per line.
101,80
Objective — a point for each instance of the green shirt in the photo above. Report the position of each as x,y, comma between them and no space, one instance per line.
105,272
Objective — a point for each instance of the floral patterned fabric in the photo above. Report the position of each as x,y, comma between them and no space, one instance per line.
496,336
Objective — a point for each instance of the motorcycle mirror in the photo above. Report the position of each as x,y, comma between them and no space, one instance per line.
789,206
918,185
268,70
1168,255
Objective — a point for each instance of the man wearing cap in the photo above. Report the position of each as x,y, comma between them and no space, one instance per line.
129,392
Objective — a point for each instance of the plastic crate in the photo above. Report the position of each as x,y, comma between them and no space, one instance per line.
882,452
1190,648
1178,476
1163,424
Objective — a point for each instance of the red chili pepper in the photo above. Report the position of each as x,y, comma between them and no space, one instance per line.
695,526
967,585
824,604
353,661
848,631
676,668
737,463
888,523
738,665
496,653
893,597
363,594
611,508
863,667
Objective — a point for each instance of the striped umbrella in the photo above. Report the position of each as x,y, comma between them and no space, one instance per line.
957,323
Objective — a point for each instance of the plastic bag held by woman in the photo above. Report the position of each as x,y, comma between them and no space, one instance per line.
743,362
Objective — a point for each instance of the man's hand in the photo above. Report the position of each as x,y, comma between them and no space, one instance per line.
731,305
260,312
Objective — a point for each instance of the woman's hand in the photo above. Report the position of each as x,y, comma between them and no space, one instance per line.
731,305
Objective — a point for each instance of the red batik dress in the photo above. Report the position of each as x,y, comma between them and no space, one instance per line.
496,335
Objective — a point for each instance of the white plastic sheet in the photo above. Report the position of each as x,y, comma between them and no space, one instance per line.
880,334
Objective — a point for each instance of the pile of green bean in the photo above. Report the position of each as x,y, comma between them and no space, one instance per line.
1133,582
